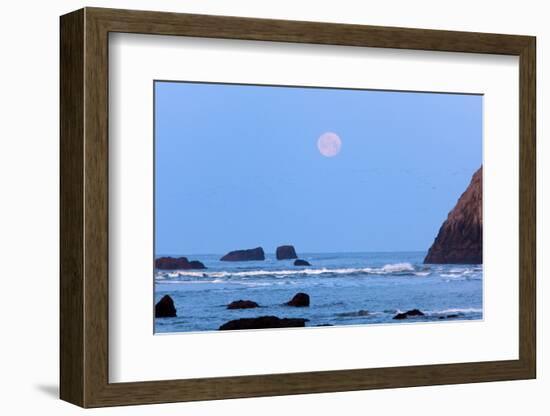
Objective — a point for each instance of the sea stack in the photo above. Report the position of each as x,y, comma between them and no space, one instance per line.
286,253
179,263
251,254
459,240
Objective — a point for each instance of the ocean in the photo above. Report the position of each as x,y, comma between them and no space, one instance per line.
344,289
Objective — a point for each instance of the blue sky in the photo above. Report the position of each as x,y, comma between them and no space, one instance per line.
237,166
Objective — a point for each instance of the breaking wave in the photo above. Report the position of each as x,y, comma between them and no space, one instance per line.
393,269
457,311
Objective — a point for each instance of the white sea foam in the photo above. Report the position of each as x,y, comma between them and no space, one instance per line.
384,270
398,267
456,310
466,275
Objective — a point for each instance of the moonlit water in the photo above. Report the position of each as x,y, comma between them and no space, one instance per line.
344,288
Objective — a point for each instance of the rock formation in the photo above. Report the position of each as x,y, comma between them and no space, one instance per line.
451,316
300,262
242,304
180,263
299,300
245,255
165,308
195,264
412,313
459,240
263,322
286,253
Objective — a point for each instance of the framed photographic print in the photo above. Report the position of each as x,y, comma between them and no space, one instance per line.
255,207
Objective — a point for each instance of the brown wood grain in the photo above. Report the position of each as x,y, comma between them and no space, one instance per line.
71,213
84,207
527,208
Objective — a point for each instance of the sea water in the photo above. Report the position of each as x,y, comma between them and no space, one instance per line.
344,289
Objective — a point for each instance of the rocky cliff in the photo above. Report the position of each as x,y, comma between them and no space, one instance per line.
459,240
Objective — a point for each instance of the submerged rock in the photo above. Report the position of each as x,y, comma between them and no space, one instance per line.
299,300
301,262
263,322
286,253
165,308
459,240
242,304
245,255
361,312
177,263
412,313
451,316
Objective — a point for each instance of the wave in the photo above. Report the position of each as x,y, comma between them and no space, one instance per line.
454,312
397,268
215,281
361,312
460,277
457,311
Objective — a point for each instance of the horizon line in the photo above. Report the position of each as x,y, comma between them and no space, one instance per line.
303,252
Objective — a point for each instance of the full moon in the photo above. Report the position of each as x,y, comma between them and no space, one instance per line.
329,144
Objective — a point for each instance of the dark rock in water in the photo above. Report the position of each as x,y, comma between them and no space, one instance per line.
179,263
324,325
286,253
459,240
405,315
299,300
263,322
165,308
195,264
452,316
245,255
301,262
242,304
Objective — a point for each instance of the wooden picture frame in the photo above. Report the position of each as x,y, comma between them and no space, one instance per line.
84,207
